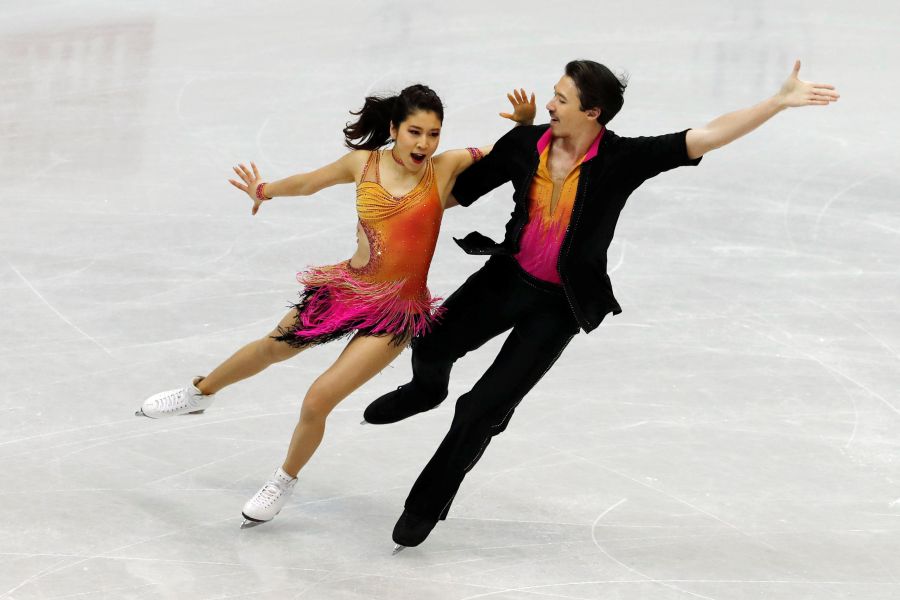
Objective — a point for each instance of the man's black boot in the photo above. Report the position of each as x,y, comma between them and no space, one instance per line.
411,530
394,406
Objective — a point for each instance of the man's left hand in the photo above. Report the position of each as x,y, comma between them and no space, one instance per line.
796,92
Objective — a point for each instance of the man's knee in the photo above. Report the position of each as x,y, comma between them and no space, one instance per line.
428,349
431,372
502,419
489,409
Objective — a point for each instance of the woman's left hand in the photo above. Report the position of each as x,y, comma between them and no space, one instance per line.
524,110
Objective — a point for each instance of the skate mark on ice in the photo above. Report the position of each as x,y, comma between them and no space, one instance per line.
621,260
57,313
353,495
676,498
811,175
520,521
834,197
855,323
629,568
68,564
377,78
205,334
645,578
129,436
260,248
819,361
83,375
852,437
263,157
528,464
355,574
63,431
108,555
670,584
194,468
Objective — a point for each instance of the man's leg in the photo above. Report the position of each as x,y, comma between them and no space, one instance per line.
473,314
530,350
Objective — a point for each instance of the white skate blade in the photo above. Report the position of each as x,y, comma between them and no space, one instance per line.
398,549
247,524
140,413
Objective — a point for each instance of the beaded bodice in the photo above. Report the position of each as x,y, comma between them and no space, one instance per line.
401,231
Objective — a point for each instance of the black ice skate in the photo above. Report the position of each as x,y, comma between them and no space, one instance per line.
394,406
410,531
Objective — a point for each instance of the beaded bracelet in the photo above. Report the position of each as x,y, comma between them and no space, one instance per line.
476,154
260,193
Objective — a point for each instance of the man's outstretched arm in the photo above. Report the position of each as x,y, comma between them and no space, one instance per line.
733,125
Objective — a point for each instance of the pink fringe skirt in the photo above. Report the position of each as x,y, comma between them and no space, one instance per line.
335,303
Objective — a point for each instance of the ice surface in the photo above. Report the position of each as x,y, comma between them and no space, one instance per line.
732,435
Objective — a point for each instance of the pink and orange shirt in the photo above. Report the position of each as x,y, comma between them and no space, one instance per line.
542,237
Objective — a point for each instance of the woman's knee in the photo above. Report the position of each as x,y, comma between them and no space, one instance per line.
317,404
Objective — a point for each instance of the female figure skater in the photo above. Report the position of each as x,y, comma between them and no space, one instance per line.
379,296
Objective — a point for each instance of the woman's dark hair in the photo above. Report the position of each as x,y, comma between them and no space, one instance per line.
372,129
598,87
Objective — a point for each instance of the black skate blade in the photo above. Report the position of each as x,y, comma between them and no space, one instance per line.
140,413
398,549
198,412
248,522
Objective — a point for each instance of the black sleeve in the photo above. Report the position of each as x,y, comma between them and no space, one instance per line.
647,157
485,175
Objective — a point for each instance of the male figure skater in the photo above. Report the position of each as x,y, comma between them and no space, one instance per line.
547,279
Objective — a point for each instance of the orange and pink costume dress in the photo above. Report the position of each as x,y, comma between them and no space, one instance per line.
388,295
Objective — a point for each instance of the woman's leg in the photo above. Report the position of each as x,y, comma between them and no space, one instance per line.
251,359
361,360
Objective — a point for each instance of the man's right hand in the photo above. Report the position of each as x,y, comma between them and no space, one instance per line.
524,110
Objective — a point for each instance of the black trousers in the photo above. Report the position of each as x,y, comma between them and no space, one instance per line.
498,297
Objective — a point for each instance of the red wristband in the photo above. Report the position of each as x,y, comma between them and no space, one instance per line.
260,194
476,154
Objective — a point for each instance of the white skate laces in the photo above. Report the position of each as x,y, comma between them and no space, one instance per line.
180,401
269,500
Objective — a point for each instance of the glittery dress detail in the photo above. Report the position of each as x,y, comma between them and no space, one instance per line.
388,295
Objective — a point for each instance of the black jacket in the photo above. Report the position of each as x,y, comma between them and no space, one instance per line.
605,182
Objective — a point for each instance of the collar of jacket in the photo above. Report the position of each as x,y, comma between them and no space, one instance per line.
547,137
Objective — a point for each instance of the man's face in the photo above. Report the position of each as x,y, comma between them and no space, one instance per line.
566,116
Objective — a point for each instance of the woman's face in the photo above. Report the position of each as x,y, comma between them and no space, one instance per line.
416,139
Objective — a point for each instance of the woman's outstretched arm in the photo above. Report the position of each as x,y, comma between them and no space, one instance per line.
343,170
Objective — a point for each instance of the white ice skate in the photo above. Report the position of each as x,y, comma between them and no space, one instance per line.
181,401
269,500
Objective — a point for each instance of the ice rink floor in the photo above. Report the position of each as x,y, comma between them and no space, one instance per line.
732,435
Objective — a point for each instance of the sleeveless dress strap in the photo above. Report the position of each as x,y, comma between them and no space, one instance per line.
373,156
